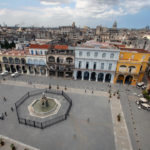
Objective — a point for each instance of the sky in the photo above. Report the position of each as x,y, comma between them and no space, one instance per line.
54,13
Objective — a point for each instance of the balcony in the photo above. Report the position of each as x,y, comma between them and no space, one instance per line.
71,53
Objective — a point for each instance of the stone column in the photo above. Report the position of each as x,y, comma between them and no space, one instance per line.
104,77
96,77
82,75
89,76
112,78
46,72
75,75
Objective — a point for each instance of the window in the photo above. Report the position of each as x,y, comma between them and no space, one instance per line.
132,56
110,67
41,53
95,54
94,66
80,64
32,52
87,65
143,57
36,52
121,56
102,65
111,55
103,55
80,53
88,53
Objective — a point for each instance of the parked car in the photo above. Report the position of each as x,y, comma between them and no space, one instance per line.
16,74
4,73
140,84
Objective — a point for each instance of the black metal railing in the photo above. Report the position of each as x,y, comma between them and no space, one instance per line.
46,123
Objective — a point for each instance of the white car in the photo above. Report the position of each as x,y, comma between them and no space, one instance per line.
15,74
4,73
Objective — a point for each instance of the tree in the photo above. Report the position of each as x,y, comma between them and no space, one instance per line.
6,44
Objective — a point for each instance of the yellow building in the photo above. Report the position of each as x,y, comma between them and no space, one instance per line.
131,66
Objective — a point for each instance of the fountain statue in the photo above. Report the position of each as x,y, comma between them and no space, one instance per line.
44,101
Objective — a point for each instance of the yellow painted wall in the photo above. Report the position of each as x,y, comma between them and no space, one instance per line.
131,58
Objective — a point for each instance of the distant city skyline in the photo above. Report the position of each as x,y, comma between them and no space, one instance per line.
54,13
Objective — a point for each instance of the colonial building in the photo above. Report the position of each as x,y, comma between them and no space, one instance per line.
95,63
60,61
36,59
13,61
131,66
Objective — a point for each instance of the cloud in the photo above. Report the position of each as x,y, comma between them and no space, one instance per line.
82,11
54,2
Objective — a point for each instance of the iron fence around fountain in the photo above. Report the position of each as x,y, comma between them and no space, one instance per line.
47,123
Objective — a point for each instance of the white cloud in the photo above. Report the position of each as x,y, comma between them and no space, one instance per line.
82,11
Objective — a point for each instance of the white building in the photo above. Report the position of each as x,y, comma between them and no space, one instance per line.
36,59
95,63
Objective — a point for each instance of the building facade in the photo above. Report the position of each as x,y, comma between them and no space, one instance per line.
60,61
13,61
36,59
131,66
95,63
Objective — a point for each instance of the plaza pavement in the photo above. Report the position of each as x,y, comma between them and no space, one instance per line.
77,132
138,135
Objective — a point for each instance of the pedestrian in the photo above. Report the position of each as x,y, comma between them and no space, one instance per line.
12,109
85,90
92,92
4,99
6,114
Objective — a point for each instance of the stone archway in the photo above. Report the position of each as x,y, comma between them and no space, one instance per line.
108,77
120,78
24,69
7,67
79,75
128,79
0,68
93,76
31,69
13,69
43,71
100,77
36,70
86,75
18,68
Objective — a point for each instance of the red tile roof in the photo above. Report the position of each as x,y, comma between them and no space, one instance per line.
64,47
134,50
45,46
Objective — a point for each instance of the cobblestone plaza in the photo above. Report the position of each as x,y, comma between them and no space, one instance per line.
91,123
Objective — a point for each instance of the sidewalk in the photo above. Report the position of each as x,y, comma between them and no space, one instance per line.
122,139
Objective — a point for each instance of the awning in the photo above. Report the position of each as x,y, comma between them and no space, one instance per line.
146,105
143,99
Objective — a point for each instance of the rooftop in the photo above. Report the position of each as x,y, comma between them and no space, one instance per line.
134,50
38,46
15,52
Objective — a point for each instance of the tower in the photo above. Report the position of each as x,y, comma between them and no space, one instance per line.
115,25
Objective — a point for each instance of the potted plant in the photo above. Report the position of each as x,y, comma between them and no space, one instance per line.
2,143
110,96
65,87
13,147
57,86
